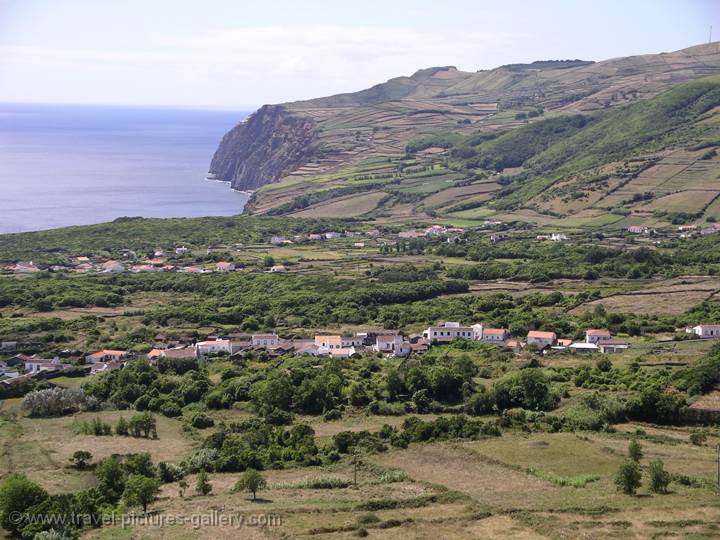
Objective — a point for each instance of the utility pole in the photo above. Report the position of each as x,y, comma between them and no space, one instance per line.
710,36
356,463
718,466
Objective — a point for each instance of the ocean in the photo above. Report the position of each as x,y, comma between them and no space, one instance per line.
66,165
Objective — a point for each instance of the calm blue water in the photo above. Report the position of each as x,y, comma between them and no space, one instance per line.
71,165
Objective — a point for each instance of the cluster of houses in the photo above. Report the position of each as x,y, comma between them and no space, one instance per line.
595,340
686,231
554,237
387,342
156,264
319,237
433,230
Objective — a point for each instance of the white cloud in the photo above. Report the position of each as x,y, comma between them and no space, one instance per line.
243,65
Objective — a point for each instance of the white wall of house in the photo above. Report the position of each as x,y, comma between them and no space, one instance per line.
209,347
265,340
449,332
494,337
707,331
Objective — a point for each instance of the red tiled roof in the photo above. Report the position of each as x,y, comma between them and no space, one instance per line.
594,332
494,331
541,335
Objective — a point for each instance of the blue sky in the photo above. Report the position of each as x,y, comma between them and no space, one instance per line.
231,53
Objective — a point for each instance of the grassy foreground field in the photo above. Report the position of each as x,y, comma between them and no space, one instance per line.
507,487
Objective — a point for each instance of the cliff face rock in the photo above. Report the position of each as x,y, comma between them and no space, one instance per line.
271,143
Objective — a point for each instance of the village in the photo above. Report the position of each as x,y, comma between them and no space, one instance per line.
176,260
188,259
17,368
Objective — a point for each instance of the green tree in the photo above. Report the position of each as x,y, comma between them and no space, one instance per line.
421,399
140,464
143,425
659,477
628,477
635,451
17,494
203,485
111,479
81,458
122,428
140,490
251,481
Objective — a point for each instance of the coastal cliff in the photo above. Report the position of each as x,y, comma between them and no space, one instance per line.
435,143
271,143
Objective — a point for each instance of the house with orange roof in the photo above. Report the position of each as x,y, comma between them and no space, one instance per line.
343,352
515,345
593,335
106,355
541,339
494,335
213,346
112,267
327,343
224,266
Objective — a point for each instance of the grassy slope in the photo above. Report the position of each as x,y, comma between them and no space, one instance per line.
375,125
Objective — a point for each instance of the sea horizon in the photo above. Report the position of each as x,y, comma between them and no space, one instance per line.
66,165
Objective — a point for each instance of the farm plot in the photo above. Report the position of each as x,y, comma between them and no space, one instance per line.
691,201
670,301
459,194
347,207
42,447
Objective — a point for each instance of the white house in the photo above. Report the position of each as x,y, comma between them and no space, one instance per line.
705,331
448,331
593,335
182,250
264,340
583,347
342,352
213,346
541,339
332,234
36,365
277,240
612,346
352,341
102,367
106,355
394,345
326,343
494,335
278,269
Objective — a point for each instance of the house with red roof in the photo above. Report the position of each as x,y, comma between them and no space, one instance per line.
106,355
224,266
593,335
541,339
494,335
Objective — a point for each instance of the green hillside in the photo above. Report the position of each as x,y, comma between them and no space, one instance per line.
557,143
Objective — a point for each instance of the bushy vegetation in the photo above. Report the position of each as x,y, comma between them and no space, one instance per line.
58,401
